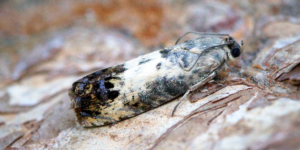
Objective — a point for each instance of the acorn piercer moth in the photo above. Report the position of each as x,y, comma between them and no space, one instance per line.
144,83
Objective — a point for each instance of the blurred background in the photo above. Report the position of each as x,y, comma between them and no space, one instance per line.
63,36
46,45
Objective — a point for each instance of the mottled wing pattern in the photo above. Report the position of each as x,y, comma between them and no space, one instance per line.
126,90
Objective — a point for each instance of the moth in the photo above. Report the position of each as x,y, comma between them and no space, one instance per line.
144,83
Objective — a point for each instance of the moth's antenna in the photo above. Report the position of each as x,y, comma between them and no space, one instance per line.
200,33
209,77
181,100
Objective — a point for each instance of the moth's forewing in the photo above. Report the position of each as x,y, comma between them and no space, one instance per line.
126,90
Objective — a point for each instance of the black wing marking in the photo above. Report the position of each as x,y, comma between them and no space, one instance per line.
96,85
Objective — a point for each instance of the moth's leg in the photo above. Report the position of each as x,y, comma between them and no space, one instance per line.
193,88
245,82
222,75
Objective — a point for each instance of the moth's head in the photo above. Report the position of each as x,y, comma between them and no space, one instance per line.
234,49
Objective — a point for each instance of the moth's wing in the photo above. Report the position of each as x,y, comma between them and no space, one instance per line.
110,95
126,90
